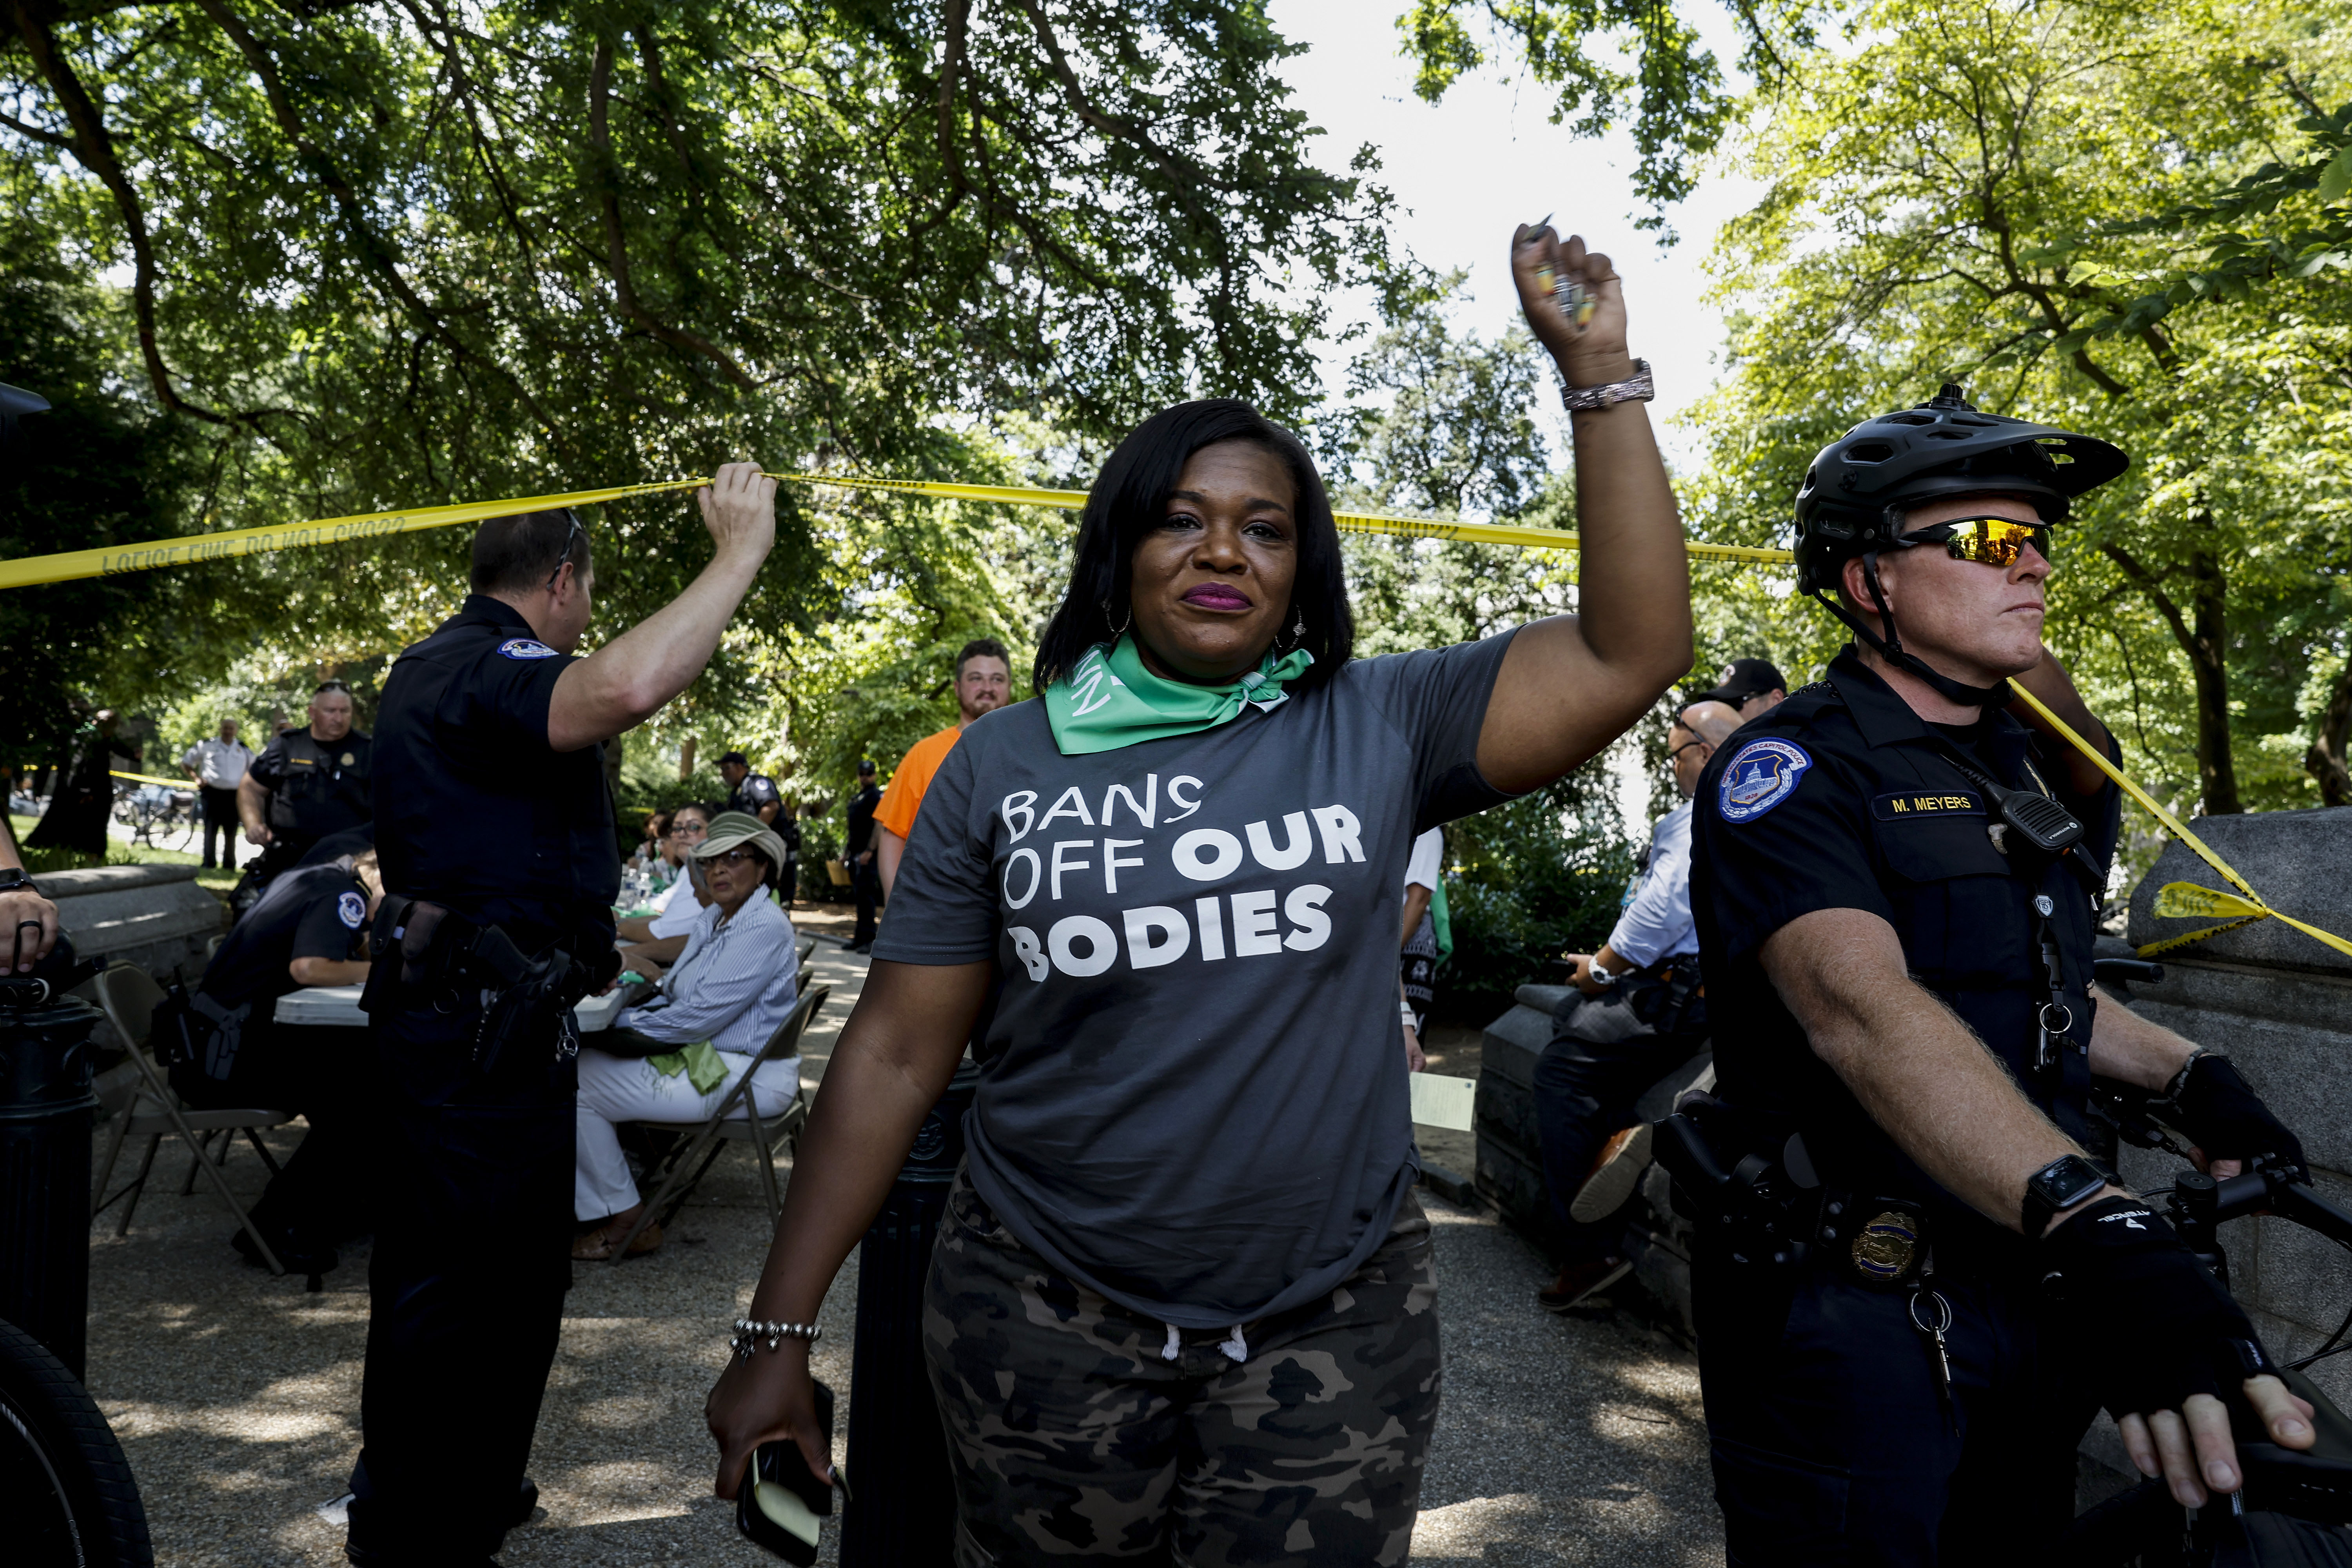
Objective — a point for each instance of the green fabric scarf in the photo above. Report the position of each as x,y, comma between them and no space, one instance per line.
1111,701
699,1062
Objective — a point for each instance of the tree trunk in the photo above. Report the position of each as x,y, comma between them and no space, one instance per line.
2326,759
2209,654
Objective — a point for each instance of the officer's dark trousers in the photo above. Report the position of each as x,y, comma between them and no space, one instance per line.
1584,1093
220,817
1831,1445
466,1292
865,881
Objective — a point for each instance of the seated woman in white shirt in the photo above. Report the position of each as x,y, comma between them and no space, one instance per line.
730,988
652,942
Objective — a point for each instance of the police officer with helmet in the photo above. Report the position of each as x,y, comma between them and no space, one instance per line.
496,841
1920,1285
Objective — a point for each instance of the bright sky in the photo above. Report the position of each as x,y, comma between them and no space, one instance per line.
1467,170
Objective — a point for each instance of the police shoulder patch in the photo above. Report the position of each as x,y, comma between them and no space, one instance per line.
353,909
525,648
1759,777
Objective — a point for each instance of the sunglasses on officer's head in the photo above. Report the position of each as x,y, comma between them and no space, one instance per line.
572,531
1987,541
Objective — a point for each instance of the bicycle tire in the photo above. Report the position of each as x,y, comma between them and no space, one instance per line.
65,1488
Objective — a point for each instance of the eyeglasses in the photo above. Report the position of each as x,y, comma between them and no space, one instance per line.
1987,541
573,530
689,829
730,857
1686,746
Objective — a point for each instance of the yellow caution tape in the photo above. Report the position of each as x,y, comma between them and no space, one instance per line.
151,778
196,549
2177,900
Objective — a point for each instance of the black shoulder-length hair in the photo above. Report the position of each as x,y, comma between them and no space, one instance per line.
1129,498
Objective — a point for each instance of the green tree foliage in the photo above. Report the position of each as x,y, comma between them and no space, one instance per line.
1614,62
1442,423
99,467
1926,189
398,252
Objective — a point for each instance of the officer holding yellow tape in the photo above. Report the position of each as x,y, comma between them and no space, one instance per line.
1895,885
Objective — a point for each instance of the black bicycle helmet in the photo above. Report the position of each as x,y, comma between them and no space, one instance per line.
1862,485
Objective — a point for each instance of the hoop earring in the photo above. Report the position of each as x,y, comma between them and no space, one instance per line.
1298,631
1119,630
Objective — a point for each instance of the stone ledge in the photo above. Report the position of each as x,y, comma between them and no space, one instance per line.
2294,859
59,885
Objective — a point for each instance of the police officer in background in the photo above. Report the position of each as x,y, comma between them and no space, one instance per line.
1897,933
753,794
858,848
308,782
500,873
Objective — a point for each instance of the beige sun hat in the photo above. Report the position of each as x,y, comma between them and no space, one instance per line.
738,830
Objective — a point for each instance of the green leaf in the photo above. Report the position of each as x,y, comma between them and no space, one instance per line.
2337,178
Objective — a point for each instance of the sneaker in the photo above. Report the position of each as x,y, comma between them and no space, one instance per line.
1615,1176
1578,1282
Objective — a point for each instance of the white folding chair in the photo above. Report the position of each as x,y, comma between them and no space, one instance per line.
776,1128
128,995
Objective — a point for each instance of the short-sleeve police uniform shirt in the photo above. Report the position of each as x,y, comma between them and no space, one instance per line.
1840,798
476,811
311,911
316,787
757,790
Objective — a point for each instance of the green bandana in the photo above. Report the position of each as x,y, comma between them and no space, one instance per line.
699,1062
1111,701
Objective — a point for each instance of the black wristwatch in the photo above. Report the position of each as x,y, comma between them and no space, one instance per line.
2057,1187
15,876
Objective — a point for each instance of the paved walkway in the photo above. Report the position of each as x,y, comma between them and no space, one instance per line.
237,1395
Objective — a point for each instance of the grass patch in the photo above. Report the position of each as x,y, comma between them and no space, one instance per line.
120,851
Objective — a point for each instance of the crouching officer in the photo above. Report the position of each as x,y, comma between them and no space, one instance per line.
1912,1296
495,835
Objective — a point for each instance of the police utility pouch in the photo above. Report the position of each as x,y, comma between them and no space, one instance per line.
780,1499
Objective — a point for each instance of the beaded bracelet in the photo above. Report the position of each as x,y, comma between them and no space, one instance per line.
750,1331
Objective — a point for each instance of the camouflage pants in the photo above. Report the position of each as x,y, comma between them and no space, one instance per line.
1076,1441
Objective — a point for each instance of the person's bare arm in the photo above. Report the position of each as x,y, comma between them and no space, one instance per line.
1571,684
2139,1051
252,809
1416,904
2054,689
889,1066
22,910
1919,1071
889,848
768,813
329,971
624,682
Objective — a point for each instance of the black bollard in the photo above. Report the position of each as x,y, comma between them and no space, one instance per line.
898,1461
46,1113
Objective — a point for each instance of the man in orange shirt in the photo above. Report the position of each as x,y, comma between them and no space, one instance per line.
984,681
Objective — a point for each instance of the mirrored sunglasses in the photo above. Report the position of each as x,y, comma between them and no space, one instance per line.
1987,541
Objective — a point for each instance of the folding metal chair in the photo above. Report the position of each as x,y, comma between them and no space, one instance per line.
128,995
807,946
765,1133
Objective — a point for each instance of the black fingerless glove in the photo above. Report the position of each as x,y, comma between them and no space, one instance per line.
2226,1118
2155,1327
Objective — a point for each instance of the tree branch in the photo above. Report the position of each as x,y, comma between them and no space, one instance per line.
608,197
93,147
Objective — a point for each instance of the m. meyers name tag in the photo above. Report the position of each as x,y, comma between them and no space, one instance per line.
1925,803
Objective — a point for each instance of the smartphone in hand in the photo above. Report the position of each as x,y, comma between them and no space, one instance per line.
781,1500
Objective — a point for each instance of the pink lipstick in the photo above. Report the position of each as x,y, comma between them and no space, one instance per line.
1216,596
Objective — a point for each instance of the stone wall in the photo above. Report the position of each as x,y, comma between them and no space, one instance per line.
1510,1159
2280,1003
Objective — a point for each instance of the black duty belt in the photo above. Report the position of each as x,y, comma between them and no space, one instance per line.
429,951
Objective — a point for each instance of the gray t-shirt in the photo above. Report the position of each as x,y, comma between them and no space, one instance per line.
1193,1092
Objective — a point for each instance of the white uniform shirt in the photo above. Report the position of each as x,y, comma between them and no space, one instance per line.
219,765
